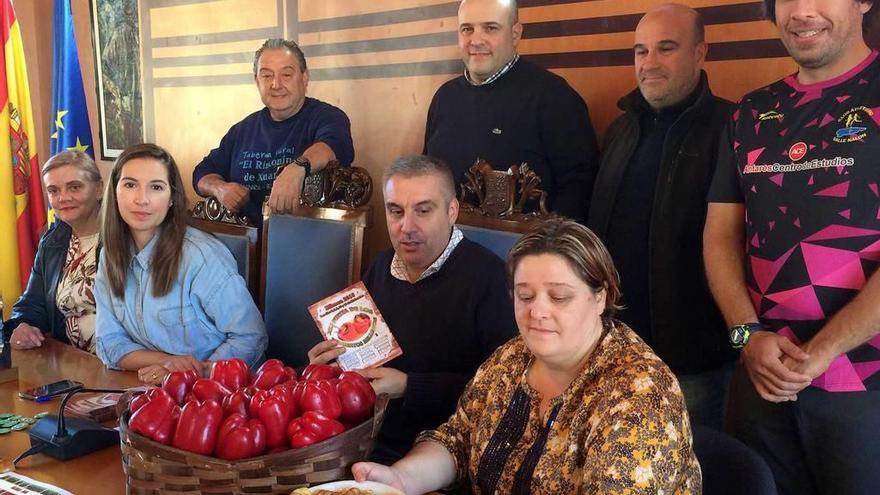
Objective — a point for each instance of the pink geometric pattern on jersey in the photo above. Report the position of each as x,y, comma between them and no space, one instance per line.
831,267
827,119
836,191
875,342
789,334
797,304
874,189
866,369
876,115
841,99
765,270
872,252
811,95
753,155
840,232
845,213
777,179
841,376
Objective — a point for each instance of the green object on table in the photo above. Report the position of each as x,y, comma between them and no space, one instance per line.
4,431
19,427
41,415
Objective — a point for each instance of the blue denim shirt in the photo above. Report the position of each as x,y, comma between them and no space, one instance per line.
208,314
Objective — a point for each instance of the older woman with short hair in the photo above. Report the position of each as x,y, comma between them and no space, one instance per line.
578,403
58,300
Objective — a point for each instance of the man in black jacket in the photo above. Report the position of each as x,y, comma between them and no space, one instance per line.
649,205
444,297
507,111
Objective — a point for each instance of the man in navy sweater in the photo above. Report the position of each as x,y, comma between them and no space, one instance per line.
444,297
507,111
253,157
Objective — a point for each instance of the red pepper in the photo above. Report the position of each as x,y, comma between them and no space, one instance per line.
138,401
240,438
274,411
269,377
206,389
166,430
357,397
232,373
179,383
153,412
320,372
197,427
312,427
290,374
320,396
236,402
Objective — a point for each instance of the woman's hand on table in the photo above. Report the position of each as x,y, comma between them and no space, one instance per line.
26,337
370,471
184,363
153,374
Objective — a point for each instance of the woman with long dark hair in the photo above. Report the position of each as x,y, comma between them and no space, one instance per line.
169,295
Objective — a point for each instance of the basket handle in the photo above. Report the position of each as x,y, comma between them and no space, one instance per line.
379,413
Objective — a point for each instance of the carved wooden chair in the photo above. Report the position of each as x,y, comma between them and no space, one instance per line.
241,238
498,206
312,253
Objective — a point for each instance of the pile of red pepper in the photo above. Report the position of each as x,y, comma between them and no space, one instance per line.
235,414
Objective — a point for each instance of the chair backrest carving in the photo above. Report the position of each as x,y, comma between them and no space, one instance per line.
513,194
346,188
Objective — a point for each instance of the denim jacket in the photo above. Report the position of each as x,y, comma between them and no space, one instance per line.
208,313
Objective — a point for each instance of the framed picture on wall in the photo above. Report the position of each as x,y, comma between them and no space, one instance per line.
118,70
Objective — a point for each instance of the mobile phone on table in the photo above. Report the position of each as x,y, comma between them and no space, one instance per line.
50,390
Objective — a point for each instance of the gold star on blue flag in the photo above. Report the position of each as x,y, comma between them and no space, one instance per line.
70,124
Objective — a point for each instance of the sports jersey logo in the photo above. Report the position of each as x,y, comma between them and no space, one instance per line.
797,151
853,125
771,115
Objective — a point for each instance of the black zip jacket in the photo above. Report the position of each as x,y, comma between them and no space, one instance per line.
36,306
688,331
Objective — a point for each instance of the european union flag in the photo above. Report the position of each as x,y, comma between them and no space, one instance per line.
70,125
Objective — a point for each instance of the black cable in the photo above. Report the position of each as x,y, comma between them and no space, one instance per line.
35,449
62,430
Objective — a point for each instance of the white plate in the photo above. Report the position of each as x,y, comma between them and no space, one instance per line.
376,488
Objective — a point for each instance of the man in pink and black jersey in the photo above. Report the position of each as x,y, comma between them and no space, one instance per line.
792,244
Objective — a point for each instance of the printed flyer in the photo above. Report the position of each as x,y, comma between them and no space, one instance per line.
351,317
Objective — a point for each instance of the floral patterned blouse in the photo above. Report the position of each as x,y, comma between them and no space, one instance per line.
74,296
620,428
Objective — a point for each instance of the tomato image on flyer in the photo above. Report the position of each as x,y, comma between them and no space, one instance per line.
352,318
353,331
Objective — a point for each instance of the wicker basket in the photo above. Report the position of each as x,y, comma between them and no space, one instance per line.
152,468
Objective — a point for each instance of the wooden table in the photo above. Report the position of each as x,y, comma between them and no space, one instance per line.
99,472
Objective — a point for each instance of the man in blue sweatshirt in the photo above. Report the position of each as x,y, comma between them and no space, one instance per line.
271,151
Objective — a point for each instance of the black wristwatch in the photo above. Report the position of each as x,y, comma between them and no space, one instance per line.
301,161
739,335
304,163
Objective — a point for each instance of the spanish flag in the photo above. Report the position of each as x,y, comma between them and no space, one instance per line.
22,209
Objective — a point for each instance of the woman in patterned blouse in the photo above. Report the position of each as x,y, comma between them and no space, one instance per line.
578,403
58,300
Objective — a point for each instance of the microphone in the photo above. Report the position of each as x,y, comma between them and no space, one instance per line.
66,439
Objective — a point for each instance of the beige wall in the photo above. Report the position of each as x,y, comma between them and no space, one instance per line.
387,112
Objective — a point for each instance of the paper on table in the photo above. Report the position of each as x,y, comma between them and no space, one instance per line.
351,317
16,484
